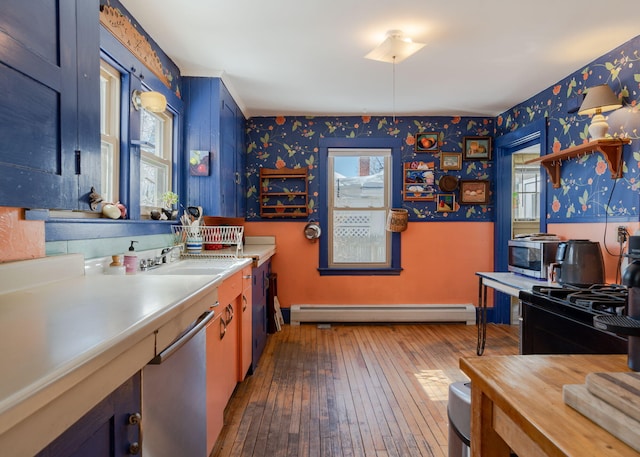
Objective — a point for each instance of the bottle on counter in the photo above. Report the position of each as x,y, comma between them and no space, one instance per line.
131,260
115,267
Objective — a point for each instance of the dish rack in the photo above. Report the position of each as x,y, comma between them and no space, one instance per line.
214,241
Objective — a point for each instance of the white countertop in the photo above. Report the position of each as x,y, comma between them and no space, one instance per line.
509,283
58,332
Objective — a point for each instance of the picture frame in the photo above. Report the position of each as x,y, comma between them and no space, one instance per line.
445,203
427,142
474,192
450,161
476,148
199,163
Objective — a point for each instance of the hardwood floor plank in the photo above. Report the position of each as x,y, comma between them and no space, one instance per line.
353,391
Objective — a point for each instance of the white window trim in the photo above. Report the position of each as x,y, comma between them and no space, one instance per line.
387,154
165,159
111,133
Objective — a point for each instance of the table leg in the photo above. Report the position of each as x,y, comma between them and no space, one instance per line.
482,316
485,441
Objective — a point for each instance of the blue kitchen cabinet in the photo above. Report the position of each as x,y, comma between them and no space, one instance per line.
109,429
50,113
215,124
259,291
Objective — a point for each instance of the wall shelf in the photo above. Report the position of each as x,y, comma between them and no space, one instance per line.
610,148
284,192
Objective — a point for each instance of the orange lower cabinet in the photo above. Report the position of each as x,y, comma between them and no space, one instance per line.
245,339
215,396
229,360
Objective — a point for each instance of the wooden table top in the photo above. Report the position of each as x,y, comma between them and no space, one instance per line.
528,388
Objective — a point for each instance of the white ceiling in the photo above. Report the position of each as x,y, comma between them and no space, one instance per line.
306,57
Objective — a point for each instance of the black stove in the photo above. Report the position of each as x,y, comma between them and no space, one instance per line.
559,320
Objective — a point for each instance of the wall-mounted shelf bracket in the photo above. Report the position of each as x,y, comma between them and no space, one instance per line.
610,148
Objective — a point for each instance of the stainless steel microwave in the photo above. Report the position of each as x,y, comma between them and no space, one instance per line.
532,257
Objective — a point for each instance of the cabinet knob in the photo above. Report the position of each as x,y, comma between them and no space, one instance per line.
136,419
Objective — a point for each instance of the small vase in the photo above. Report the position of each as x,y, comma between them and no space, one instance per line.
194,244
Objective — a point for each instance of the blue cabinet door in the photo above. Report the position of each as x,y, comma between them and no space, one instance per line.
46,47
229,172
214,123
106,430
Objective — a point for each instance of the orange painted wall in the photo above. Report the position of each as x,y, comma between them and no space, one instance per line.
439,260
596,232
20,239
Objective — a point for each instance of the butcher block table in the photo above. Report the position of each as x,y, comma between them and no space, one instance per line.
516,403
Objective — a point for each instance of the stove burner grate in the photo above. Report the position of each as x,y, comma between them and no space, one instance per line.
600,298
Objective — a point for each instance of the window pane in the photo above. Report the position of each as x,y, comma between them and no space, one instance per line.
104,93
153,183
150,131
359,182
359,237
526,191
358,204
107,171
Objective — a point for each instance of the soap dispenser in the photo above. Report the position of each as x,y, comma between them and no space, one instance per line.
131,260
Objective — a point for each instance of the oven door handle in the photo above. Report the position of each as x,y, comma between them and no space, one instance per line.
201,323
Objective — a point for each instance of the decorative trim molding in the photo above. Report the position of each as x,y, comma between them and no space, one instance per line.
122,28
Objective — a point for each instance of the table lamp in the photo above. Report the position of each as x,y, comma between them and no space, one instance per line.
598,100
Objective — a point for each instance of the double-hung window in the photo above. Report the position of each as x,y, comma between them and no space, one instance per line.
156,152
109,132
359,185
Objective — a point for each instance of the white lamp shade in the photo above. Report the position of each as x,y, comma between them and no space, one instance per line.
395,48
598,100
152,101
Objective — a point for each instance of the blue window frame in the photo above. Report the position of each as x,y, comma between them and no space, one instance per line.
327,266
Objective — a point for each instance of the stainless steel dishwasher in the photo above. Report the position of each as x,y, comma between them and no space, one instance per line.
173,396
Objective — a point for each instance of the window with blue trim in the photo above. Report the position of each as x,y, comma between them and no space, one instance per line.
359,180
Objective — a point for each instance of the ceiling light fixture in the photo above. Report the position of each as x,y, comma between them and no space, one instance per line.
152,101
395,48
598,100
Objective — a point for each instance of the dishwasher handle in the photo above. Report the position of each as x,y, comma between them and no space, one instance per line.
201,323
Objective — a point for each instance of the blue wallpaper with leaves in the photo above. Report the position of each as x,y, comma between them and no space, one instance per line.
276,142
587,192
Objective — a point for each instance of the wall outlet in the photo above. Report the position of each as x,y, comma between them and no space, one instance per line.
622,234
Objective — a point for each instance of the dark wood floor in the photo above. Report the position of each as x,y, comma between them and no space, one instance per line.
353,390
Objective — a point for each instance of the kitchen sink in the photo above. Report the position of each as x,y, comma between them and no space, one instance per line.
214,267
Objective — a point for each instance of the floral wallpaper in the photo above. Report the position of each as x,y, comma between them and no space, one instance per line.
292,142
587,191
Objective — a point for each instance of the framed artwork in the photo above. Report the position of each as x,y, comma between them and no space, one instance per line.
427,142
450,161
474,192
476,148
198,163
446,203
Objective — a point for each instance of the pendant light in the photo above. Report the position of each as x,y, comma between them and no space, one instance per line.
395,48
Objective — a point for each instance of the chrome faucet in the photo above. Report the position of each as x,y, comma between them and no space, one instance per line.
169,251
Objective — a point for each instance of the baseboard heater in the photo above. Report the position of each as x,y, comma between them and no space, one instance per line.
383,313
